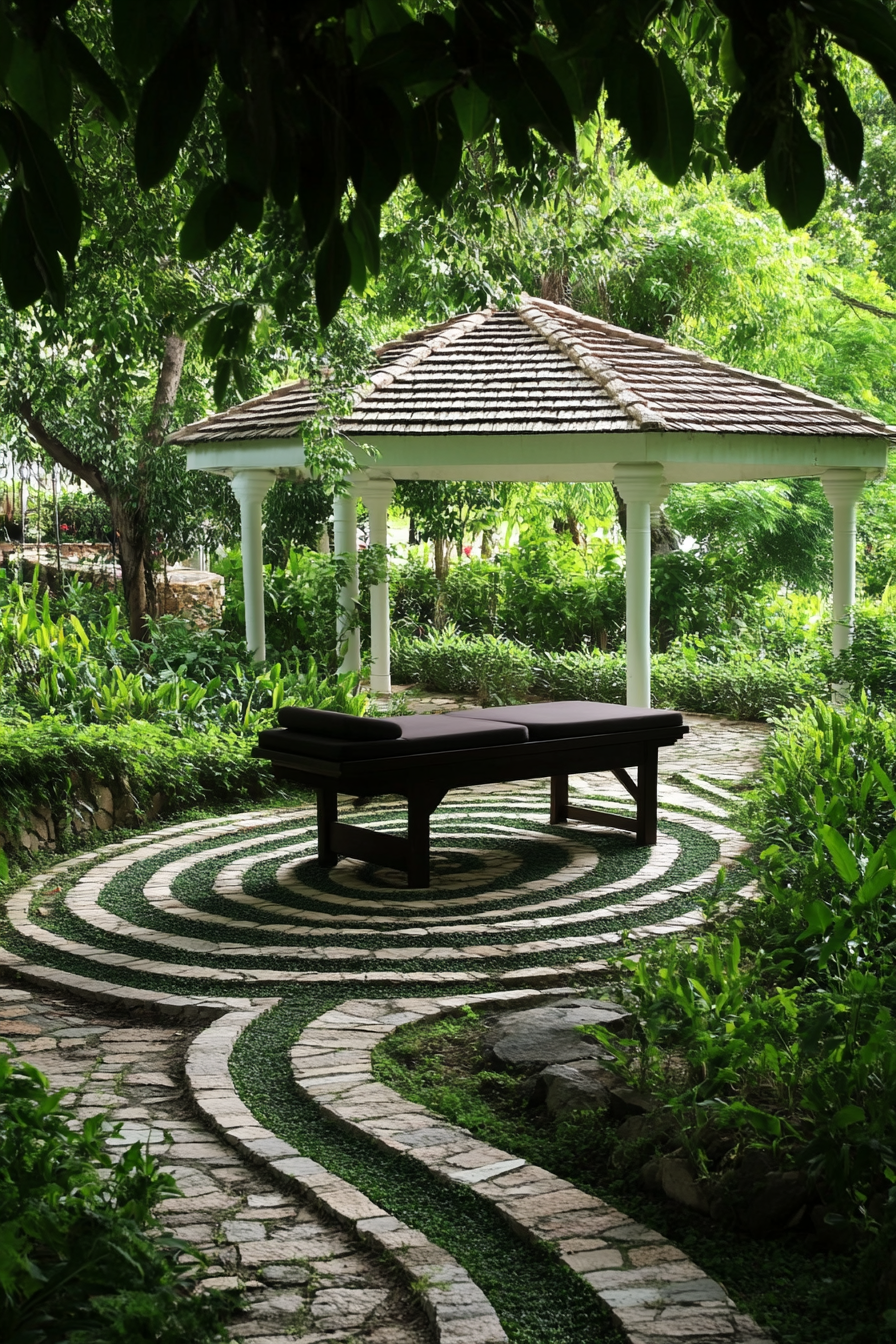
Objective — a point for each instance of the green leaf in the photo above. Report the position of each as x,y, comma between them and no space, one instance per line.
39,81
22,280
358,266
884,781
143,29
364,225
192,241
53,202
473,110
552,116
840,852
332,273
436,146
844,135
171,98
4,867
222,380
668,159
633,94
90,75
749,133
794,173
729,69
515,139
818,917
848,1115
213,336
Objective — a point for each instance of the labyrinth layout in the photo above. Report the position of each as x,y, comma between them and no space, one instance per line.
242,902
300,970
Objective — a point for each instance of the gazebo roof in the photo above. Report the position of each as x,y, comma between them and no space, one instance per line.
544,369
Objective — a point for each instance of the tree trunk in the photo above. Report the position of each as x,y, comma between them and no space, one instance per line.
129,509
441,551
167,389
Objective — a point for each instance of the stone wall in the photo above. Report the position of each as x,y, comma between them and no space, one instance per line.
93,805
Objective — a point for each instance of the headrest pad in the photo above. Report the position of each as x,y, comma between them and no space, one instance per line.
329,723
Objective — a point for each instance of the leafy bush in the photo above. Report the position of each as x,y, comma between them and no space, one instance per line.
300,601
42,762
498,672
76,1261
495,670
870,663
781,1027
54,664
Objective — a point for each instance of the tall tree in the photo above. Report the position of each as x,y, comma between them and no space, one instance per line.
324,108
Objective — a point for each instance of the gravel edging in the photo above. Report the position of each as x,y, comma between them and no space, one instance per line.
459,1311
651,1288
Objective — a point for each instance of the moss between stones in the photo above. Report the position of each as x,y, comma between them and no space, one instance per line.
538,1300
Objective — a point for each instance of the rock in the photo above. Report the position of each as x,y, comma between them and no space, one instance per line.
626,1101
285,1274
651,1177
679,1182
539,1037
569,1089
652,1126
759,1199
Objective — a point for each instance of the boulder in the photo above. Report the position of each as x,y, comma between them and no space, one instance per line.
539,1037
628,1101
569,1089
679,1182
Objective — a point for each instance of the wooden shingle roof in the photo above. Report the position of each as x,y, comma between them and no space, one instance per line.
543,368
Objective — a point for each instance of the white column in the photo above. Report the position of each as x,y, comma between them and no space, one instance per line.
377,496
843,486
345,542
639,484
250,488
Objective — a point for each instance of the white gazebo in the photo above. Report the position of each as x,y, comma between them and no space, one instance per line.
543,393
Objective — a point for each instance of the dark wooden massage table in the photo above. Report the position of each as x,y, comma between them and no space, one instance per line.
422,756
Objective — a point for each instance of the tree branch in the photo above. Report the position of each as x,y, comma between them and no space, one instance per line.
860,303
56,449
166,389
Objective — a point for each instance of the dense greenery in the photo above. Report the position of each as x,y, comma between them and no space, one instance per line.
82,1260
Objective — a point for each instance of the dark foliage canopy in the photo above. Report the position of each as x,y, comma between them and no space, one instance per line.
324,106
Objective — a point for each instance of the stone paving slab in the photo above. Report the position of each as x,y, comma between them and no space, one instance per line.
306,1277
652,1289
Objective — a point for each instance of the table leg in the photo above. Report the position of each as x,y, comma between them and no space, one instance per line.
647,797
326,815
559,799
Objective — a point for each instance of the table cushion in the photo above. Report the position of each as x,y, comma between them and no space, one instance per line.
419,733
573,718
330,723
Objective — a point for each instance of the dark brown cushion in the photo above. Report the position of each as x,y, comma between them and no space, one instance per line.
573,718
329,723
419,733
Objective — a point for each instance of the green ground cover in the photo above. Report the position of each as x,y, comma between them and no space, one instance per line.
538,1300
790,1286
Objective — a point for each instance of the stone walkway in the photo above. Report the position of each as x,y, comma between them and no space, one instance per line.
238,906
306,1279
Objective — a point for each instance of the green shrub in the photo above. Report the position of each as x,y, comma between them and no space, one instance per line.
784,1021
869,664
54,664
494,670
76,1261
499,672
187,768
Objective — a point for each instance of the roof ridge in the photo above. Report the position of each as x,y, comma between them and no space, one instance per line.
413,337
696,357
600,370
446,335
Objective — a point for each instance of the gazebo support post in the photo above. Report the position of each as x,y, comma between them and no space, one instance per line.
640,485
345,542
250,488
377,496
843,486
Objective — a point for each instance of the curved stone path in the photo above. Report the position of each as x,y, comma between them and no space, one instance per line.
184,923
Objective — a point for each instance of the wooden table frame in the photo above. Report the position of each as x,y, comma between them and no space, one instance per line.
425,778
